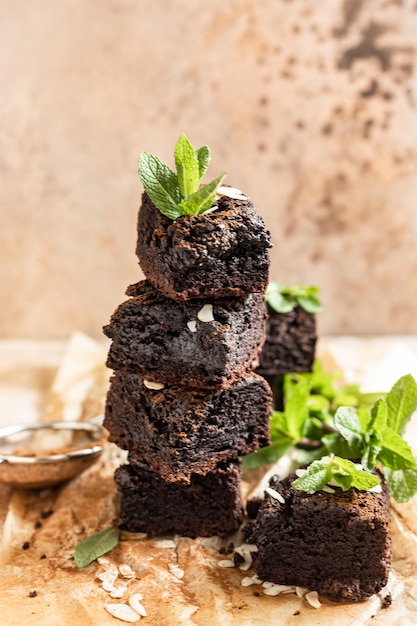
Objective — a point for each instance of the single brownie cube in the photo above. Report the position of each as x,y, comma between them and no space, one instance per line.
290,342
338,543
199,343
209,505
179,432
222,252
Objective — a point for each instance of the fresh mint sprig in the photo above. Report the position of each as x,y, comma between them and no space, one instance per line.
283,299
334,471
316,423
180,193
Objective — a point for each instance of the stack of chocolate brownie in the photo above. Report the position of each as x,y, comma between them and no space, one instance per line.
184,399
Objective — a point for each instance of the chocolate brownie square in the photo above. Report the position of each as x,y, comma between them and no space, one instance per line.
290,342
179,432
209,505
222,252
209,343
338,543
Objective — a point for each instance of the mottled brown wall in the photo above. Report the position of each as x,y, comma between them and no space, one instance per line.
310,106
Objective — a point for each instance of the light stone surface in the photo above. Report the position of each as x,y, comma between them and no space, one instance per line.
310,106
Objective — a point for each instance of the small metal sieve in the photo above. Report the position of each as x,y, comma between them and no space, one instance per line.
45,454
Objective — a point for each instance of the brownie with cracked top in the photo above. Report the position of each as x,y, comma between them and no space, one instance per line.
179,432
338,544
166,341
219,253
208,505
290,342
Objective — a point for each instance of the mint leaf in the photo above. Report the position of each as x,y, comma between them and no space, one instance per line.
187,165
269,454
96,545
203,158
401,402
283,299
161,184
395,452
402,483
203,199
297,390
337,472
347,423
311,304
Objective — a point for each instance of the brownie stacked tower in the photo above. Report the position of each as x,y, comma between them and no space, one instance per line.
184,399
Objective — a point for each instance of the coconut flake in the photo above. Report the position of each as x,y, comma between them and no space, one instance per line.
376,489
109,575
101,560
312,598
226,563
151,385
123,612
274,494
250,580
126,571
118,592
245,551
164,543
300,472
205,314
275,590
192,326
134,602
301,591
231,192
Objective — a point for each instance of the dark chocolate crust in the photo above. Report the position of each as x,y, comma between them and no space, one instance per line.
208,505
337,544
290,342
178,431
216,254
150,337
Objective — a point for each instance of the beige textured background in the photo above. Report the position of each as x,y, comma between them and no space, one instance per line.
310,106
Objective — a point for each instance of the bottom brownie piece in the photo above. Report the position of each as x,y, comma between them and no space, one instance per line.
210,505
337,544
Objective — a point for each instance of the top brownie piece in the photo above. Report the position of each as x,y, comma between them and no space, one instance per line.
165,341
219,253
290,342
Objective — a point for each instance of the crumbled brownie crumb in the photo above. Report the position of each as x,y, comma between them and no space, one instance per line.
26,545
256,593
33,594
42,556
238,559
45,514
297,613
252,507
38,524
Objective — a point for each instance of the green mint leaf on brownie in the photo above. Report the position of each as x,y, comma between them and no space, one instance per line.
395,452
96,545
187,165
283,299
203,158
180,193
161,184
401,402
202,199
333,471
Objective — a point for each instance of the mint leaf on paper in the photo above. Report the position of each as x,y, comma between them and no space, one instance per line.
96,545
337,472
181,193
187,165
161,184
401,402
202,199
402,483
